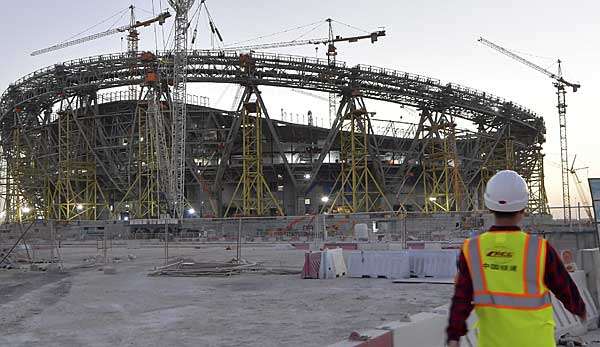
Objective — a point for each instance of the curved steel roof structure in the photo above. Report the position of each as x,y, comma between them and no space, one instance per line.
41,89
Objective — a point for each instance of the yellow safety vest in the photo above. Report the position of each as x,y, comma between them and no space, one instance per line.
511,300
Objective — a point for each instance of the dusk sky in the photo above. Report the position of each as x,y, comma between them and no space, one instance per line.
435,38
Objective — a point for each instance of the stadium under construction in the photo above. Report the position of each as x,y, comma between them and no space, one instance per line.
74,149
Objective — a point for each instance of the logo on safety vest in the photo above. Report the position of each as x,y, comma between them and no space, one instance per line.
499,255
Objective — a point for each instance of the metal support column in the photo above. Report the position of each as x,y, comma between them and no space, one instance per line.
357,189
564,154
179,111
252,196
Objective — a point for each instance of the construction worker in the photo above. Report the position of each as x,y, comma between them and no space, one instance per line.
507,275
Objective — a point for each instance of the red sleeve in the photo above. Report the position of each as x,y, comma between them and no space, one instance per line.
560,283
462,302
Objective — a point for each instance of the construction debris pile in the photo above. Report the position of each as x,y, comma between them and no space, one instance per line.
19,254
188,267
191,268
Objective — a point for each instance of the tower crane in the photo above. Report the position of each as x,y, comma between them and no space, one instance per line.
560,84
325,41
178,105
579,186
331,50
131,28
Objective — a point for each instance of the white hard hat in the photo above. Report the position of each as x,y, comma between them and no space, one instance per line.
506,191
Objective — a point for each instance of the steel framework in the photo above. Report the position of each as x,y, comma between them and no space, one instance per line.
444,189
357,188
120,154
178,106
252,195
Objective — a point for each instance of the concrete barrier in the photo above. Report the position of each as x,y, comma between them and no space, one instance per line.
332,264
388,264
433,263
565,321
428,328
368,338
425,329
589,261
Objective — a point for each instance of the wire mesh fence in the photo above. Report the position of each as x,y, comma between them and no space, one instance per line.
407,228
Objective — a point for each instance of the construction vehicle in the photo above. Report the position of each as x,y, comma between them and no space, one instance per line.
560,84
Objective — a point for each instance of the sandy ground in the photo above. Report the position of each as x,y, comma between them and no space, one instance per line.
84,307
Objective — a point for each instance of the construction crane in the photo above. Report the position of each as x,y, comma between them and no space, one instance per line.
560,84
374,36
579,185
131,28
331,51
178,105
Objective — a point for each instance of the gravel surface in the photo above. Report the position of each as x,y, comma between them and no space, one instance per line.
84,307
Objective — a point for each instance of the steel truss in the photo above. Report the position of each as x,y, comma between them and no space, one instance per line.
76,189
179,106
148,157
252,195
357,188
564,153
443,186
449,164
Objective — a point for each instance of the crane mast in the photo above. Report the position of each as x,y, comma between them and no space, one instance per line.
178,105
560,84
331,55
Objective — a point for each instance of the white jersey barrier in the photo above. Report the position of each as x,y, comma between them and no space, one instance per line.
403,264
388,264
565,321
433,263
332,264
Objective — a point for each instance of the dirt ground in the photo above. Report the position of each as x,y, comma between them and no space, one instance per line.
85,307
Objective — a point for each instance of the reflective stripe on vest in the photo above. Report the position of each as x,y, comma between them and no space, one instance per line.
532,298
517,302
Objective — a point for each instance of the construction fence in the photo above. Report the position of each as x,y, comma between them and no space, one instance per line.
407,228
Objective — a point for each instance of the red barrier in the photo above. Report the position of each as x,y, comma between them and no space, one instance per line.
312,263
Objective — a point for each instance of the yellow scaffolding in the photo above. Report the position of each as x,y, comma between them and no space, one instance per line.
500,157
148,186
356,189
76,194
538,201
20,173
443,186
252,195
142,198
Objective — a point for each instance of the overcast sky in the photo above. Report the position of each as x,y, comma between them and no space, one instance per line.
436,38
